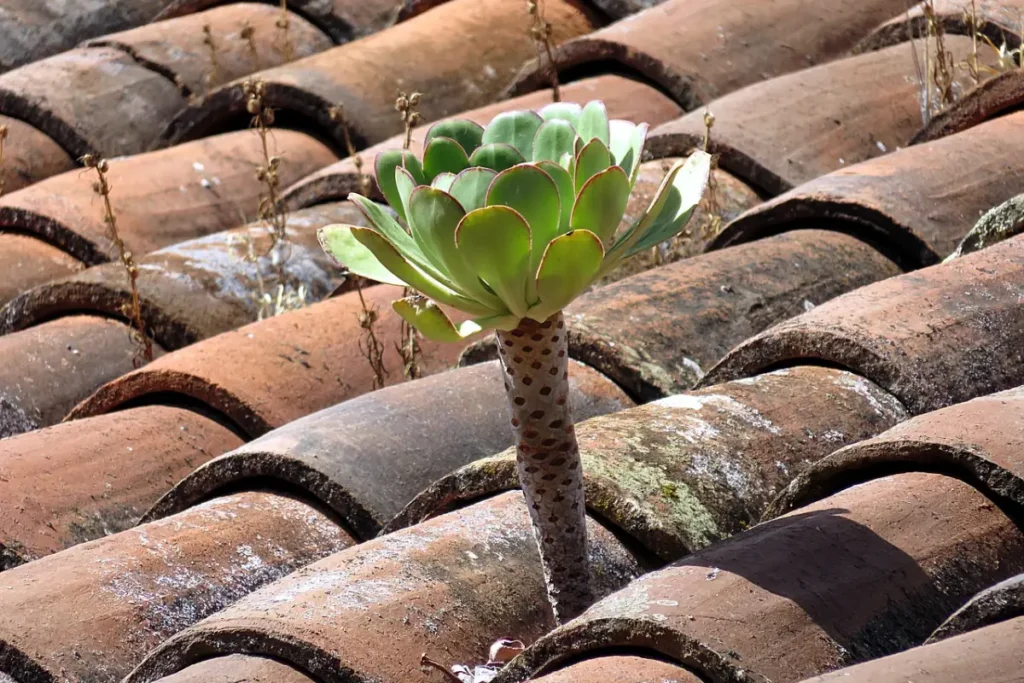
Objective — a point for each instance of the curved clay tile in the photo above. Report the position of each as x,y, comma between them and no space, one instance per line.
450,586
429,54
59,363
73,483
698,50
624,98
678,474
89,614
25,260
980,441
777,134
177,49
29,156
931,338
1000,94
861,574
988,655
91,100
195,289
1002,602
159,198
620,669
31,30
914,205
655,333
997,20
366,458
238,669
271,372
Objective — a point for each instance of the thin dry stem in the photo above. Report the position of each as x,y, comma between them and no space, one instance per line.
370,346
337,113
3,140
213,78
283,23
248,34
540,31
409,348
713,225
133,309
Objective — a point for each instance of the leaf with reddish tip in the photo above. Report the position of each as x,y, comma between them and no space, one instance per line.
343,247
569,266
594,123
470,187
601,204
443,181
444,155
468,134
553,139
431,321
566,111
497,157
495,243
591,160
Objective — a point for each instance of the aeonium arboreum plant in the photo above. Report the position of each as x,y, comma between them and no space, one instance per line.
509,224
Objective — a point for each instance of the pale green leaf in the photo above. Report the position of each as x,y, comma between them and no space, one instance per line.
516,128
444,155
495,242
497,156
338,241
566,111
591,160
467,133
470,187
627,144
594,122
431,321
384,167
553,139
443,181
566,191
569,266
601,204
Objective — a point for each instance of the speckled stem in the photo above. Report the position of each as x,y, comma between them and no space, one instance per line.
535,363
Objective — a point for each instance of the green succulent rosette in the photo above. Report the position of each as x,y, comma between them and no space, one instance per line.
511,221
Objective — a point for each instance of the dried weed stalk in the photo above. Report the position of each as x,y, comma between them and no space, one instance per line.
713,225
370,345
132,309
409,348
248,34
3,140
540,31
211,79
283,23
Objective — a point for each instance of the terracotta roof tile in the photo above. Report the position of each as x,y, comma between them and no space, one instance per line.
452,586
90,613
25,260
907,204
1001,602
76,482
780,133
998,20
621,669
932,338
679,473
160,197
238,669
727,43
428,51
29,156
176,49
1001,94
861,574
366,458
59,363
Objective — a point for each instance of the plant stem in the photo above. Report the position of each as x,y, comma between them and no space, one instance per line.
535,365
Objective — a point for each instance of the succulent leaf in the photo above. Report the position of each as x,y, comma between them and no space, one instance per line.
554,138
591,160
570,263
495,243
566,111
444,155
385,166
516,128
338,241
594,122
468,134
405,183
566,191
601,203
434,216
627,145
470,187
390,258
387,226
532,193
496,156
443,181
432,322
